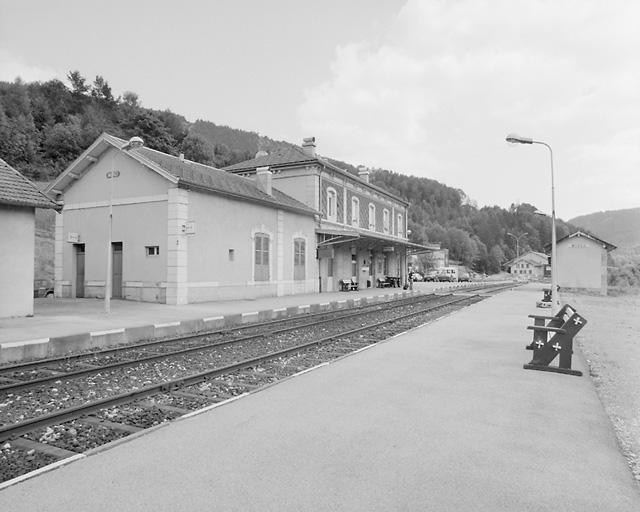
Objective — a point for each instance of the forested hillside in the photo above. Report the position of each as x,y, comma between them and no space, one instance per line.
619,227
45,126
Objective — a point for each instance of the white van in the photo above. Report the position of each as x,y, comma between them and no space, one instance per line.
448,274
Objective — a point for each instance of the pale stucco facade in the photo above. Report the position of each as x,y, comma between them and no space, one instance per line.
175,241
362,234
17,226
582,262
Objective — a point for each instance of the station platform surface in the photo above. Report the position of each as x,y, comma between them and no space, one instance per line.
57,319
442,418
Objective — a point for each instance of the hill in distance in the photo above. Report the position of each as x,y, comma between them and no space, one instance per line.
619,227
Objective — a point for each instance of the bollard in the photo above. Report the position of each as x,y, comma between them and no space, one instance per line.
561,343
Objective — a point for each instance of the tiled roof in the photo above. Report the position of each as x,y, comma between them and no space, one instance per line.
17,190
296,155
210,178
292,154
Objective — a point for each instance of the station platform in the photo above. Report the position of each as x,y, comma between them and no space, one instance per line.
59,326
441,418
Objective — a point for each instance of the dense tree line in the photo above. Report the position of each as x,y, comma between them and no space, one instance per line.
475,237
45,126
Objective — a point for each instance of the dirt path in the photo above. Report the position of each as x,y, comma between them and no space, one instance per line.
611,344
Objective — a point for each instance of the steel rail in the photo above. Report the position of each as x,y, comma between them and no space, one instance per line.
68,414
201,334
210,346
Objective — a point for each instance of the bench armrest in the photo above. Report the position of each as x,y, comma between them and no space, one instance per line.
543,317
546,329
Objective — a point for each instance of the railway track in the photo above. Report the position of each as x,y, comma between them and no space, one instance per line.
57,416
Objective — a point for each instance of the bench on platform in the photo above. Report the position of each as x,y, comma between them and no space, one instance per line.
553,321
561,343
348,285
382,282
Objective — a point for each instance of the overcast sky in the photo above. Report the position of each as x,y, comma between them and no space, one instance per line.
422,87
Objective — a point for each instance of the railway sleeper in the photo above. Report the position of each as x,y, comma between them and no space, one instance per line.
28,444
122,427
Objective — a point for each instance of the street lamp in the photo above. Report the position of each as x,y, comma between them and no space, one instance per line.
516,139
134,142
517,239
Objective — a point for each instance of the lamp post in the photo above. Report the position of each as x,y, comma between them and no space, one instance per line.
516,139
134,142
517,239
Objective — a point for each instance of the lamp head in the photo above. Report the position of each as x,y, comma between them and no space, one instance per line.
517,139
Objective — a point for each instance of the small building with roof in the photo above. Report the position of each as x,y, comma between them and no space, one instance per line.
182,232
362,234
582,262
18,200
529,266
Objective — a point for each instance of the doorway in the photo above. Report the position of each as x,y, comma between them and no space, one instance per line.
79,250
116,278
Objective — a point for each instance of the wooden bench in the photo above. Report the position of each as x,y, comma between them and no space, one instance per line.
348,285
382,282
561,343
554,321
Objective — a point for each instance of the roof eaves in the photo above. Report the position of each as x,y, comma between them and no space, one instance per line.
186,184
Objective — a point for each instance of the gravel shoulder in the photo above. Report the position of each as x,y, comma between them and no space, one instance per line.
610,343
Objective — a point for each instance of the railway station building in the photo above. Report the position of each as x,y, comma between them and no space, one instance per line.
362,233
582,262
176,231
18,200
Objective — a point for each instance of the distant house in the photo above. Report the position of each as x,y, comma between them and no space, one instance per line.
18,200
530,266
182,232
582,262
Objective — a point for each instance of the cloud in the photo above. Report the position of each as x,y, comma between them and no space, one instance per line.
12,67
438,94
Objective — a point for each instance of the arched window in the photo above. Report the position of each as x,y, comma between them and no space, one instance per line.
261,254
355,212
299,258
385,220
372,216
332,204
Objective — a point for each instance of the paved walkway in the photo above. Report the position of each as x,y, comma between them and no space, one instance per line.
443,418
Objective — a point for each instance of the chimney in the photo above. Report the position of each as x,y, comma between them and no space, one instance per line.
363,172
263,179
181,157
309,146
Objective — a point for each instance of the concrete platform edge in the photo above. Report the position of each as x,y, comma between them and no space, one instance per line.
24,350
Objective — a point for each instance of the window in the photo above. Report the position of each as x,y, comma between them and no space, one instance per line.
400,225
385,220
355,212
152,250
372,216
299,257
261,265
331,204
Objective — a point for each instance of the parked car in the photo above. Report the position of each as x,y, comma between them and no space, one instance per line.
42,288
431,275
449,274
464,277
415,276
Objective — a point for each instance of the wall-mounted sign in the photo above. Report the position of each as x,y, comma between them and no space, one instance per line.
189,228
387,249
73,238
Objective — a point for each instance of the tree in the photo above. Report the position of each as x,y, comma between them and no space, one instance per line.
101,90
78,83
198,149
